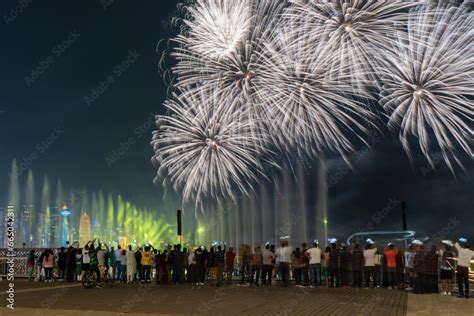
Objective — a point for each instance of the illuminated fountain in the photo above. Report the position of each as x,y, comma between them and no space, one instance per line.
44,216
84,230
284,206
49,222
30,206
322,220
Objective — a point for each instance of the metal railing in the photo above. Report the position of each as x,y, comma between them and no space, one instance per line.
20,261
19,266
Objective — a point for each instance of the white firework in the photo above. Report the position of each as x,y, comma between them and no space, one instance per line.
352,34
310,112
206,57
429,82
203,153
217,27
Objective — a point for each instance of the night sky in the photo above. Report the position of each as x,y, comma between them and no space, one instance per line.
113,50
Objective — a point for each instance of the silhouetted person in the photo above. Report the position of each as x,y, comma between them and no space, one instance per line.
334,266
357,264
305,266
346,263
447,269
62,263
177,265
31,264
431,276
201,257
419,268
465,255
70,264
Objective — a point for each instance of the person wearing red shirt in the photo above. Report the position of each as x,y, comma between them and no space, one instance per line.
229,264
390,254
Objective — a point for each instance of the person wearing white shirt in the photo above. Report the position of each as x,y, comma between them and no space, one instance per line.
118,262
465,255
192,268
102,258
369,264
283,255
123,265
409,257
101,255
314,255
131,261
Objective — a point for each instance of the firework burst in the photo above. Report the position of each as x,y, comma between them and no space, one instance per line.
224,54
217,28
428,84
313,112
204,153
352,34
296,76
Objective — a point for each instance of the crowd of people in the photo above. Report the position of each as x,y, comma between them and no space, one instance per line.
419,268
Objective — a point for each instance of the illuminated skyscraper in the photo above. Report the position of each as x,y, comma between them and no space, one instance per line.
25,225
65,227
54,235
84,230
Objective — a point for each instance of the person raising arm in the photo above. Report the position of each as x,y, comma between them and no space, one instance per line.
465,255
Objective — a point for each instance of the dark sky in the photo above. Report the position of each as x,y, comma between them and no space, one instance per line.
100,40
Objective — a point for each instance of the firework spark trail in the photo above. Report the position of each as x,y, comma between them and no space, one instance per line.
295,75
428,83
218,28
209,57
314,112
204,153
352,34
231,68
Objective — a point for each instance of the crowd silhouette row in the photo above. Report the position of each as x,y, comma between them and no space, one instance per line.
419,268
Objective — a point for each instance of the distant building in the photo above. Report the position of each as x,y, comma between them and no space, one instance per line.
84,230
25,223
54,234
65,235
